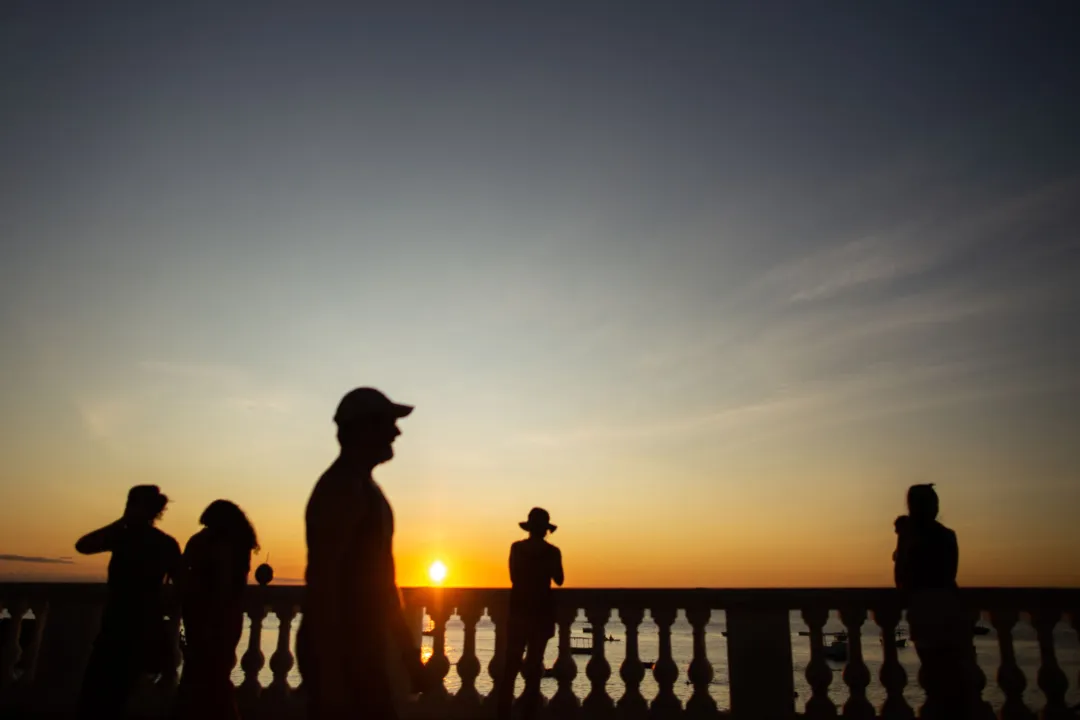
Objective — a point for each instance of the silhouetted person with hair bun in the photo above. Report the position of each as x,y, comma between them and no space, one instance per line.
534,565
216,563
133,638
926,563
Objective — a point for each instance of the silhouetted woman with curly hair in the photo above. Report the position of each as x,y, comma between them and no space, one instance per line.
216,562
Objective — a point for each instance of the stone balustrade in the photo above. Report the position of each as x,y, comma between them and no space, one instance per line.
45,643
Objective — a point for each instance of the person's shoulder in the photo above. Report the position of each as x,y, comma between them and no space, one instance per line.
526,547
337,498
942,529
166,540
197,542
333,489
553,549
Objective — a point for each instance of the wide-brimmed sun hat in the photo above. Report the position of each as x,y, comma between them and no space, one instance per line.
539,519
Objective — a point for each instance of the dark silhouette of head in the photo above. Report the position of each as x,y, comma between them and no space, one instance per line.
145,504
538,524
367,426
225,519
922,502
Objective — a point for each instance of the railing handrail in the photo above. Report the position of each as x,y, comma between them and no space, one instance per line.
985,598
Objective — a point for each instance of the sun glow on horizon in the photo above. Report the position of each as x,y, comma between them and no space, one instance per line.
437,572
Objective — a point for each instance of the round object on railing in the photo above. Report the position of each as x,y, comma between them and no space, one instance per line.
264,574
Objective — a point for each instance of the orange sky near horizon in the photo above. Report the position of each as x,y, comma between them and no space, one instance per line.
692,545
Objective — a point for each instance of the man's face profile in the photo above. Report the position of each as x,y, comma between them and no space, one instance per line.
372,437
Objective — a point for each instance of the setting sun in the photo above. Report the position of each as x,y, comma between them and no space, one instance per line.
437,571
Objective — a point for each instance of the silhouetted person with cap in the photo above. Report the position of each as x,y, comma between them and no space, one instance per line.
133,638
216,563
926,563
353,608
534,565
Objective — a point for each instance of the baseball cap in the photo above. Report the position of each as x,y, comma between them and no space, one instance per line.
366,402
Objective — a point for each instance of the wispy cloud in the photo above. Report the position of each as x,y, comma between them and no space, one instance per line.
203,372
730,417
37,559
852,265
103,418
889,323
916,246
254,404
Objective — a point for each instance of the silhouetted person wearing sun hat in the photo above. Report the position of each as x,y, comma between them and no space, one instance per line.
534,565
133,638
352,608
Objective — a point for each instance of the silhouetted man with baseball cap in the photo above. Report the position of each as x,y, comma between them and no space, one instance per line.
352,608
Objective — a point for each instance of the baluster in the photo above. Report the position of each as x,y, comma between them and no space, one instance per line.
892,674
701,703
498,613
666,672
1010,678
565,703
438,665
598,704
632,705
818,673
253,660
467,699
170,674
281,661
856,674
40,609
1075,617
10,652
980,709
1052,680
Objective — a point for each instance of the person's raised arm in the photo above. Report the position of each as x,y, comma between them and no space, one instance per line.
557,571
100,540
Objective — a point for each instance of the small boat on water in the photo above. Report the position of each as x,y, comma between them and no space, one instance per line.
837,649
581,645
842,635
